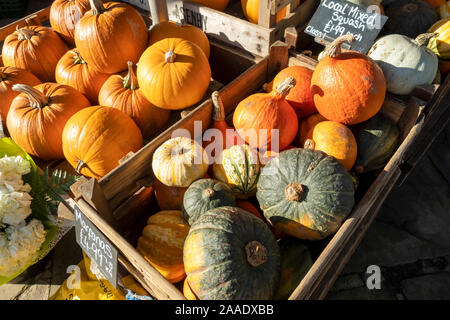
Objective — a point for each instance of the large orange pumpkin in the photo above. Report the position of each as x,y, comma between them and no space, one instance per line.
10,76
169,29
36,49
251,10
124,94
73,71
174,73
96,138
258,116
299,97
347,87
336,140
38,114
304,128
214,4
111,34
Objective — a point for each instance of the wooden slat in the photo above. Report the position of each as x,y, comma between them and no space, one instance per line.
39,16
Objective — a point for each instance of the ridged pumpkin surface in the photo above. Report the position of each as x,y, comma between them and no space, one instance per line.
162,243
336,140
305,194
229,254
239,167
203,195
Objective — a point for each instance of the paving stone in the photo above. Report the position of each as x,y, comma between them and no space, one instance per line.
428,287
387,292
348,281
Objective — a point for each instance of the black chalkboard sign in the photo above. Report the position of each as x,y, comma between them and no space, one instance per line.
96,246
334,18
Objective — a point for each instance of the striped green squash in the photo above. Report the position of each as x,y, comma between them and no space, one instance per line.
239,166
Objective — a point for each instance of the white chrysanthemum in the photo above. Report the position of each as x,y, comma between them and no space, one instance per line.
14,207
19,246
14,166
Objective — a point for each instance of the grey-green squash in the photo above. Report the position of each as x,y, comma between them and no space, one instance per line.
406,63
305,194
295,264
229,254
203,195
377,140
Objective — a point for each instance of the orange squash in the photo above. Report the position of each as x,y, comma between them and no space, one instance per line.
347,87
96,138
124,93
334,139
256,117
10,76
174,73
269,154
73,71
251,11
38,114
169,29
213,4
36,49
162,242
299,97
109,35
435,3
305,126
168,198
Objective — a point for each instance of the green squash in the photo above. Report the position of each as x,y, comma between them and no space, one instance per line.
305,194
295,264
377,140
229,254
204,195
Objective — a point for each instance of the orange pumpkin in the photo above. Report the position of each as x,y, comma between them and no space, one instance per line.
304,128
336,140
38,114
36,49
256,117
214,4
169,29
269,154
10,76
73,71
299,97
251,11
111,34
96,138
174,73
347,87
162,242
124,94
168,198
435,3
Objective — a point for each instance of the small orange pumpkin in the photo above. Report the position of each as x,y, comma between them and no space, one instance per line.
258,115
96,138
73,71
10,76
347,87
36,49
305,127
123,93
334,139
38,114
168,198
251,11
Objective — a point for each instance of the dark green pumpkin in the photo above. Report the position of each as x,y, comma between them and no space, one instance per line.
377,140
229,254
204,195
409,18
295,264
305,194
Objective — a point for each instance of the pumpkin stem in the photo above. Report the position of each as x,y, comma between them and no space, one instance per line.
25,33
170,56
77,58
97,7
218,109
80,165
334,49
422,39
130,80
209,192
285,86
294,192
256,253
35,97
309,144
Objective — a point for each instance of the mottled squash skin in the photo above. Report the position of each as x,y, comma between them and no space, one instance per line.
315,210
216,261
204,195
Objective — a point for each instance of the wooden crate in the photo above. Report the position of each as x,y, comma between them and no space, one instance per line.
231,26
120,203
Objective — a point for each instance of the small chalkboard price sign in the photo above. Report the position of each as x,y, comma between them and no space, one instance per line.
96,246
334,18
